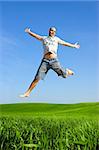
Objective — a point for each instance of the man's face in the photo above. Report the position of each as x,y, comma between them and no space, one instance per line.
52,32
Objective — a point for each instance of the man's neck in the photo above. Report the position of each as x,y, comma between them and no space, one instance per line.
51,36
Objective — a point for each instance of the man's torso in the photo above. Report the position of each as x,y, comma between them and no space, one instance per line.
50,45
49,55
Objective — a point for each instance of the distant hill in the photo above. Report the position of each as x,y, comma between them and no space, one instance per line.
39,109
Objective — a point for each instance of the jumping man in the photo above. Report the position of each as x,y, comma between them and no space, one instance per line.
50,60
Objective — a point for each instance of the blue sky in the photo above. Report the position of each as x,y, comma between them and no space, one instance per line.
21,54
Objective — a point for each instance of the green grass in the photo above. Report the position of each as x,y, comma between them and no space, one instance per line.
34,109
35,126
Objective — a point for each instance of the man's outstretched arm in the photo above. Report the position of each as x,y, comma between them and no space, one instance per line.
62,42
76,45
38,37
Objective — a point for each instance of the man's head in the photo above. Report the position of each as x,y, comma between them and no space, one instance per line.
52,31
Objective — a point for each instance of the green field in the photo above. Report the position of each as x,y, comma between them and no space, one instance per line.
35,126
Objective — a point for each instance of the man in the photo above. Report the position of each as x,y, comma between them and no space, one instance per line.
50,60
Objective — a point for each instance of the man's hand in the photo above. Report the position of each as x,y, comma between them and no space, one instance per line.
38,37
76,45
27,30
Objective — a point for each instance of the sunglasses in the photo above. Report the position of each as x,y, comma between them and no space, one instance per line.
52,30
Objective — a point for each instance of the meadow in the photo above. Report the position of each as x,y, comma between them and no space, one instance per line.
35,126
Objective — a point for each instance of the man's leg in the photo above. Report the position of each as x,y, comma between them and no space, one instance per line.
42,71
60,71
31,87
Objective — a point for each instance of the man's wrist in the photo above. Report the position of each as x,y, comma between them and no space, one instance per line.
29,31
73,46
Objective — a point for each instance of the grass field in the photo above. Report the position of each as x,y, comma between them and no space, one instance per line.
45,126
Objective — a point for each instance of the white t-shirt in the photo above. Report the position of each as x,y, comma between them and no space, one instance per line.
50,44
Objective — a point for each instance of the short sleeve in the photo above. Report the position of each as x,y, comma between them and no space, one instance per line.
60,41
43,37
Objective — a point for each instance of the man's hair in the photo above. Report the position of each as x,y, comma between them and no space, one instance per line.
53,28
